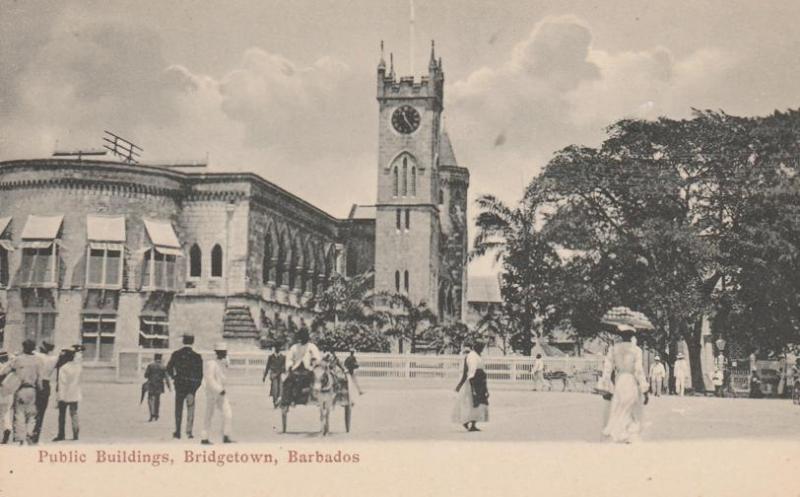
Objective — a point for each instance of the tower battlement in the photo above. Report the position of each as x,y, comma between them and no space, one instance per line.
427,86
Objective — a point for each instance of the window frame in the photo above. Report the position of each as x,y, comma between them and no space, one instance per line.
151,285
117,285
221,262
39,312
27,279
100,318
143,321
190,259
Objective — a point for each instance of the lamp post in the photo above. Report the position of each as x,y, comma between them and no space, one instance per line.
720,343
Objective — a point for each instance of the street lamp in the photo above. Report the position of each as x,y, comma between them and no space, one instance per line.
720,343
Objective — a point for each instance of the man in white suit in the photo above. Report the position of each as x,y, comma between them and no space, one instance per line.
682,374
216,395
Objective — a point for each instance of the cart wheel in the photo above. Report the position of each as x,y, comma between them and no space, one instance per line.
284,417
348,411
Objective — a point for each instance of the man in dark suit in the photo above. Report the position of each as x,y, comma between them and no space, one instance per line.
276,367
185,367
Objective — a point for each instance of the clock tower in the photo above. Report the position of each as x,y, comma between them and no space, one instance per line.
408,232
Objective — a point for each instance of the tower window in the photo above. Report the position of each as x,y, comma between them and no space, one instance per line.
405,176
441,197
397,281
216,261
408,219
195,261
396,190
398,222
405,281
413,181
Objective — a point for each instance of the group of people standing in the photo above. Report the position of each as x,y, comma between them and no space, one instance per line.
25,390
680,372
187,372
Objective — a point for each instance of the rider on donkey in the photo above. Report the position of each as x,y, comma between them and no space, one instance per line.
302,358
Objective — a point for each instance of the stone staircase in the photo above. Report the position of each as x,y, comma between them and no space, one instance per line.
238,323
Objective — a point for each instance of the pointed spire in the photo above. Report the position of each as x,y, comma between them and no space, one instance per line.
432,63
382,63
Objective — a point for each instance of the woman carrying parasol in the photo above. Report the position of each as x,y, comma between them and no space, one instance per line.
630,386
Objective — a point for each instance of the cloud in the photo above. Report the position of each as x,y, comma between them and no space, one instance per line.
290,122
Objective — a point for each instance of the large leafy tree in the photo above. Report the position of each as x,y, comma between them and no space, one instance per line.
677,218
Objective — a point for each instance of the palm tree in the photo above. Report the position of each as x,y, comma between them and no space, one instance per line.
345,299
501,226
498,324
401,317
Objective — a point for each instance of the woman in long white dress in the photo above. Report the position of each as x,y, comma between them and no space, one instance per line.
472,404
624,360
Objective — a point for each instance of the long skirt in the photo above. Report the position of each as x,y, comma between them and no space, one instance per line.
464,412
624,422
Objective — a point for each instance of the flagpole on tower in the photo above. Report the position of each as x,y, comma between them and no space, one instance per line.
411,35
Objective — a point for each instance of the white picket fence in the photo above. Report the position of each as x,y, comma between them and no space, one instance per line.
580,373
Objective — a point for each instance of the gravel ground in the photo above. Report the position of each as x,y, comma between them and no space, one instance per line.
111,413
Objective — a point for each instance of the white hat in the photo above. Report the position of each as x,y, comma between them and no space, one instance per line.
658,358
680,355
221,346
626,327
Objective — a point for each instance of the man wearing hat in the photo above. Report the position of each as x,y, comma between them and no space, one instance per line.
185,367
157,379
216,398
657,375
276,365
681,373
68,392
48,365
27,369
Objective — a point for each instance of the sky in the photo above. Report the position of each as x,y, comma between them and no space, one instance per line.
286,88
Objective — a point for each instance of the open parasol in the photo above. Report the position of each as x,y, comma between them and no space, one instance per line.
621,315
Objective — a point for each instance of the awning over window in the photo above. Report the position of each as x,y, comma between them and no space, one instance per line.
42,228
105,229
163,237
4,224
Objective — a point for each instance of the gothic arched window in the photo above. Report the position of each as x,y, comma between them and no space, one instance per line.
413,181
405,176
195,261
397,281
216,261
396,190
398,222
408,219
406,283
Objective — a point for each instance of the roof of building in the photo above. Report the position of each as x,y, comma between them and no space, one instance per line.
446,155
484,289
362,212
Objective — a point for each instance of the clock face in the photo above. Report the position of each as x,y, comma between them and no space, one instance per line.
405,119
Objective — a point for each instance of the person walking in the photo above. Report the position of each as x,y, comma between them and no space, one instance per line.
48,366
351,364
537,372
27,368
157,380
185,367
682,374
9,383
472,403
276,366
68,393
216,394
657,375
624,363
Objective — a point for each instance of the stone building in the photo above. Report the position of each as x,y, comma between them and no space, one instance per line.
118,256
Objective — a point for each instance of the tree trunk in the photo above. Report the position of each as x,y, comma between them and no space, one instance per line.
696,355
673,354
